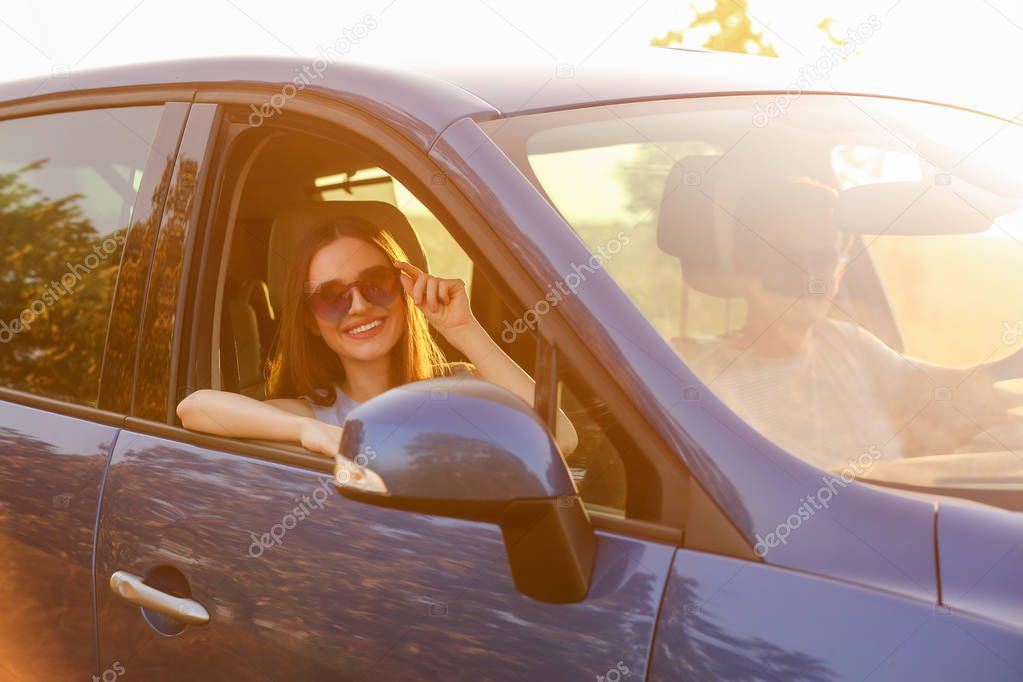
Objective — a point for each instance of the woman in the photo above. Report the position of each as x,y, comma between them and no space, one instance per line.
353,325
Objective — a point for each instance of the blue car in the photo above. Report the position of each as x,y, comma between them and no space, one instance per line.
785,323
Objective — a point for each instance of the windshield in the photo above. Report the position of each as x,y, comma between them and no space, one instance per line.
845,274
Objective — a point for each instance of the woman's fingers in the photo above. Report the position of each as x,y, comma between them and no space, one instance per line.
419,290
407,282
432,284
321,438
409,275
414,281
448,289
427,291
409,269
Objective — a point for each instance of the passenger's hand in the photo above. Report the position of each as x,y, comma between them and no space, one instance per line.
322,438
444,301
1007,368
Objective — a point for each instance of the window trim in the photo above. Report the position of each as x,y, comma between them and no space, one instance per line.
102,99
281,453
199,129
117,382
55,406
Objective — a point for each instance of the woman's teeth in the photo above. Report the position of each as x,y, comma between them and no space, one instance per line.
366,327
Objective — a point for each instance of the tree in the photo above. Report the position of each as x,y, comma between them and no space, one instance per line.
735,30
55,290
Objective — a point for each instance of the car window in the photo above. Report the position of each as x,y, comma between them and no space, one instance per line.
67,187
845,276
320,176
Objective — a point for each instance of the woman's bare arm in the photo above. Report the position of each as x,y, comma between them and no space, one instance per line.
494,365
223,413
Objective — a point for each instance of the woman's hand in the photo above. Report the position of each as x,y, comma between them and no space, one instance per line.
321,438
446,306
444,301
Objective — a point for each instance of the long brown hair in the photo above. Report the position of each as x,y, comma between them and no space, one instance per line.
302,364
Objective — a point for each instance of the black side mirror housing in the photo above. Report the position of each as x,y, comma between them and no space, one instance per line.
465,448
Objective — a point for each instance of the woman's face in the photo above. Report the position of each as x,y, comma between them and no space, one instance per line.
368,332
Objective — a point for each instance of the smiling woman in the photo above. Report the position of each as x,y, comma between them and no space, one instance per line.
353,329
355,322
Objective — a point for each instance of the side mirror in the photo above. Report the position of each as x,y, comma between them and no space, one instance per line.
465,448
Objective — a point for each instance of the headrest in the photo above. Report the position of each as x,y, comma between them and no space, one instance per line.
292,223
788,214
716,215
696,228
246,261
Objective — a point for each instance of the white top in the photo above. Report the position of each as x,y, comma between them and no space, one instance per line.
337,413
343,404
829,404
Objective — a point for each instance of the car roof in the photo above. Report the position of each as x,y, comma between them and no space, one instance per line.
648,74
436,95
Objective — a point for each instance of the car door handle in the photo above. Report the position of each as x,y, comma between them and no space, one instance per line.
133,589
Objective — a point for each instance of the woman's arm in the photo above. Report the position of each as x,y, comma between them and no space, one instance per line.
446,305
222,413
494,365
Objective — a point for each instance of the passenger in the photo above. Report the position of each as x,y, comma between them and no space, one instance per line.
827,389
355,324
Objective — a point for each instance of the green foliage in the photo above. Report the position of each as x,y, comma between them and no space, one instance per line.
735,30
54,268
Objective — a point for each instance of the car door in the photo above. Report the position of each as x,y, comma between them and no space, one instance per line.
272,574
79,183
723,618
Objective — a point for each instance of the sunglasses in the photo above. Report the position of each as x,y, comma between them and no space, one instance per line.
332,300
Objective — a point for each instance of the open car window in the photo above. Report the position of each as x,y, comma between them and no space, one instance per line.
312,172
844,276
289,177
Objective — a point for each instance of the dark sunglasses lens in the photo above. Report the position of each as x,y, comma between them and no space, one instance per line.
379,286
330,302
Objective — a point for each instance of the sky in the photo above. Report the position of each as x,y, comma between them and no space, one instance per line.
966,51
